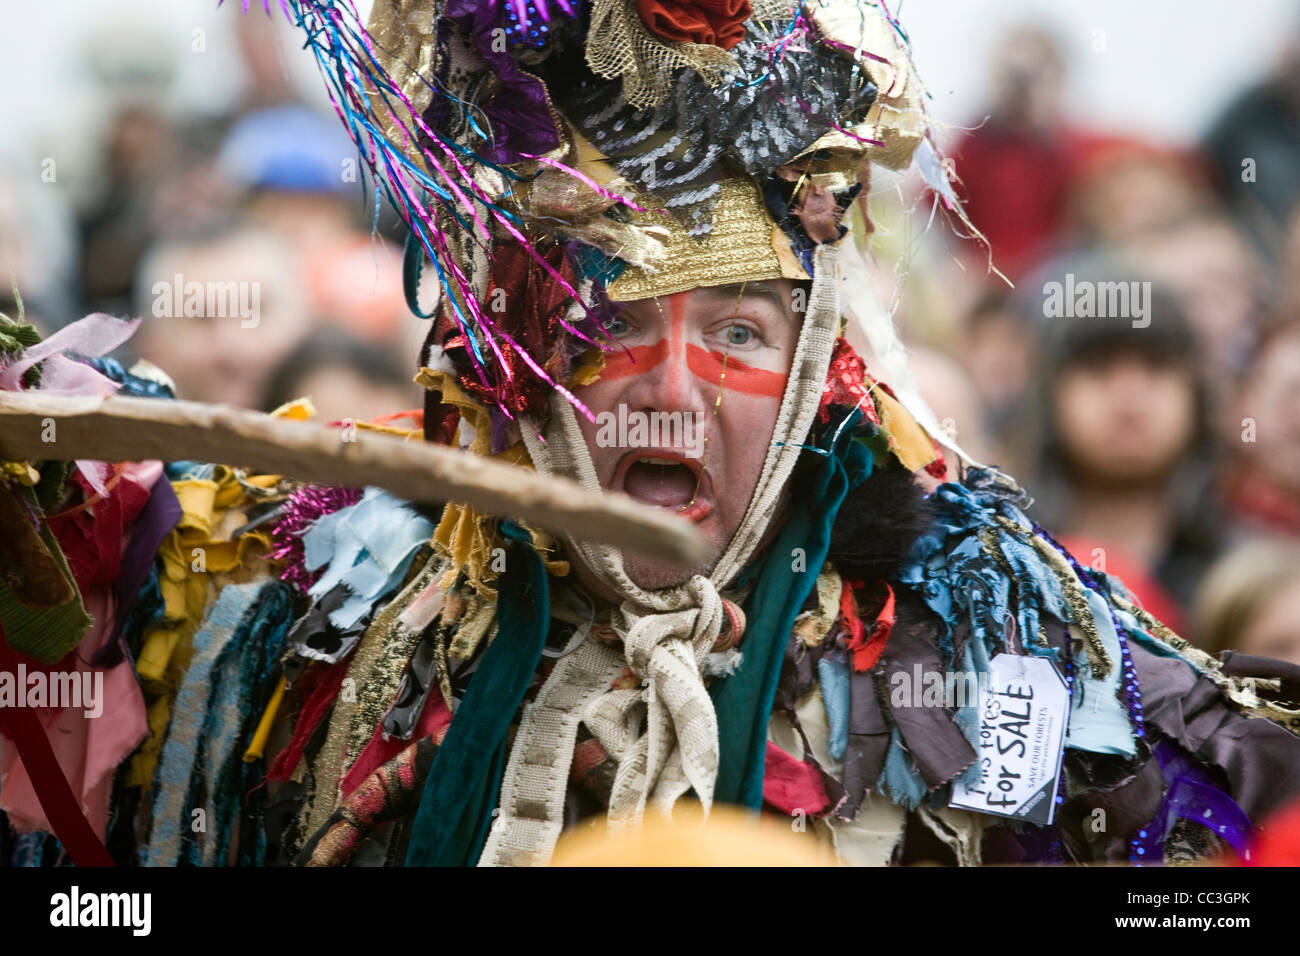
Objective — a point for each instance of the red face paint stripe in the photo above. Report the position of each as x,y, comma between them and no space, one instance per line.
712,367
738,376
637,360
706,365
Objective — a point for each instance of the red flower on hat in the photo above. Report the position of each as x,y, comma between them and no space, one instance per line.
715,22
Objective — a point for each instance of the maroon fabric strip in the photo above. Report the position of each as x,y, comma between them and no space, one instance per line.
62,808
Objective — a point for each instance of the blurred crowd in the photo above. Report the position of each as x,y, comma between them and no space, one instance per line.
1165,450
267,206
1159,436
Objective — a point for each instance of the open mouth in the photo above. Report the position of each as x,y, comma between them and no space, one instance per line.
666,480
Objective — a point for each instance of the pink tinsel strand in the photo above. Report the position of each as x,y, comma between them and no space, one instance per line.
585,179
474,188
408,188
301,510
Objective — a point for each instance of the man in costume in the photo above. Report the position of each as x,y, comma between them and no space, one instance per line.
687,199
639,210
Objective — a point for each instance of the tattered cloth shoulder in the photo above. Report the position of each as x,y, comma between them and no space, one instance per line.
1172,737
1167,736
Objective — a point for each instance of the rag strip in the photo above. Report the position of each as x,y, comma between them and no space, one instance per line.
176,771
666,636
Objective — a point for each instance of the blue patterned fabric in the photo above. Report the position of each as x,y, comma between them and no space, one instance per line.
978,564
243,677
180,765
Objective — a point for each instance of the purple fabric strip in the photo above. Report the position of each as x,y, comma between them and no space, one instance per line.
519,114
1191,795
162,512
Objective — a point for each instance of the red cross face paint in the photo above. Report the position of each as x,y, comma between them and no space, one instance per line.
685,410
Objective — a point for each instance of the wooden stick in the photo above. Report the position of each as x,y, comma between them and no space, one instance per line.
39,427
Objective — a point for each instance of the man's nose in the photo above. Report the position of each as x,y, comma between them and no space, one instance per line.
670,385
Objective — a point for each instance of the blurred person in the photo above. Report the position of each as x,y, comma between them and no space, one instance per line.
302,179
220,314
344,378
1254,148
1123,187
1263,481
194,197
998,346
1250,602
1220,282
1124,447
118,227
1015,166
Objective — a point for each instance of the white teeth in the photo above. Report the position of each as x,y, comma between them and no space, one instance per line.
657,461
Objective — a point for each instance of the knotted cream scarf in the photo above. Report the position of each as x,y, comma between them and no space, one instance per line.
666,636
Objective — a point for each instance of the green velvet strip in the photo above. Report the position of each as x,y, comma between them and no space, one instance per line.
743,701
455,814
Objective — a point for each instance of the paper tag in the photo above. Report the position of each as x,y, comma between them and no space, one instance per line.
1023,711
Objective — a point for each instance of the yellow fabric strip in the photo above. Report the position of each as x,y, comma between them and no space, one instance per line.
908,440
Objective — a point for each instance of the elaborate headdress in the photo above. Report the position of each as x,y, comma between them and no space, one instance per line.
565,149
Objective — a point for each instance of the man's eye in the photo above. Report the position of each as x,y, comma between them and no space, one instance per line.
616,326
739,335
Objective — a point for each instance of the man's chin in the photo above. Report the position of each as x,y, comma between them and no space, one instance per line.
655,575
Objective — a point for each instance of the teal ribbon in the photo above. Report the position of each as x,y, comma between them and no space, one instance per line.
464,782
743,701
412,268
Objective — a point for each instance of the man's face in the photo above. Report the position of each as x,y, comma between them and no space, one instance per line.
687,407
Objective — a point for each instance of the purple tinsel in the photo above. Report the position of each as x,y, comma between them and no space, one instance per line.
300,511
266,5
